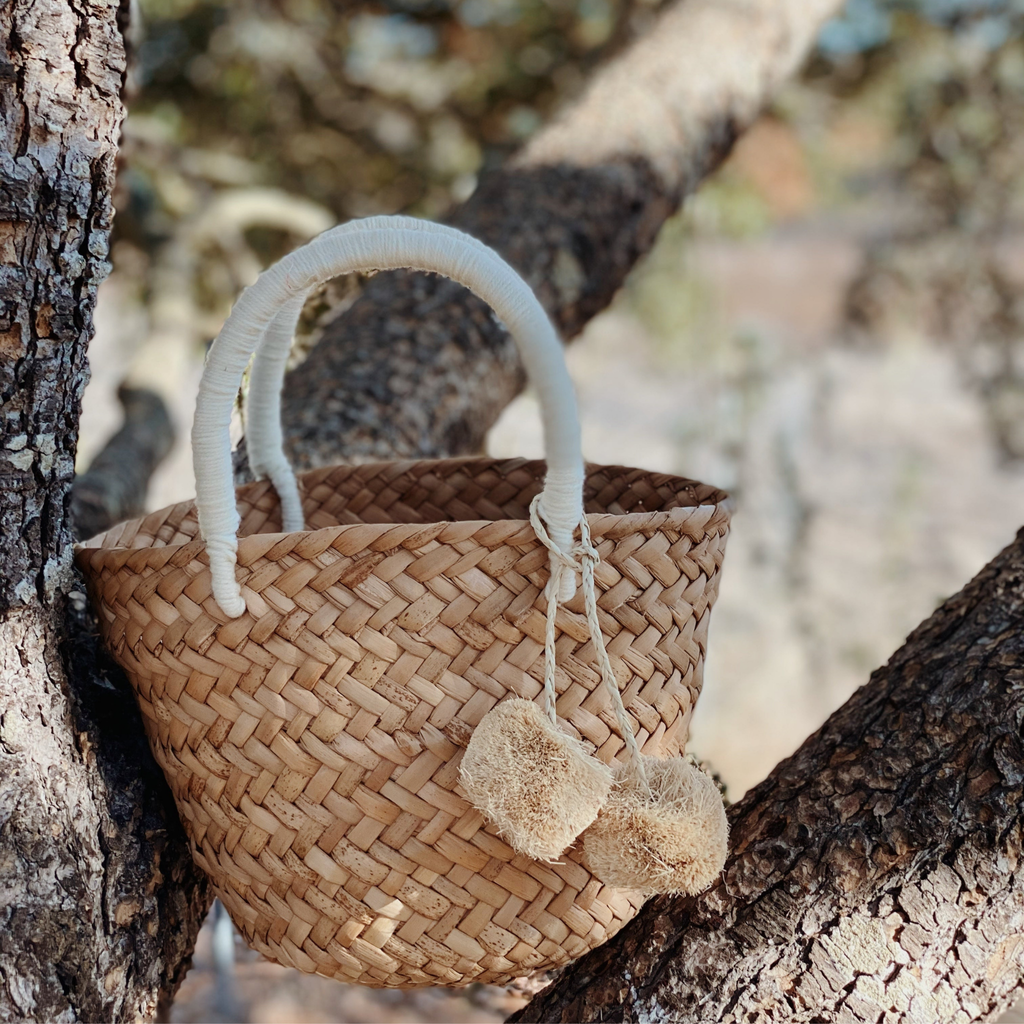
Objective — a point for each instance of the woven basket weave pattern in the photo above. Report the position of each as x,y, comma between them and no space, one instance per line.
313,744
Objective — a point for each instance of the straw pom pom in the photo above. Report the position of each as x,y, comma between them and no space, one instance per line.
674,841
538,786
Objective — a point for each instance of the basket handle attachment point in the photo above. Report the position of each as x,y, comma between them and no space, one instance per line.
265,315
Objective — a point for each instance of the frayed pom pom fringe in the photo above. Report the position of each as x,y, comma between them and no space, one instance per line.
676,843
538,786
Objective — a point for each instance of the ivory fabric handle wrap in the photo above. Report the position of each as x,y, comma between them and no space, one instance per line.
268,310
263,438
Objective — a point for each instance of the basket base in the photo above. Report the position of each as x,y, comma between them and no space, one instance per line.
459,960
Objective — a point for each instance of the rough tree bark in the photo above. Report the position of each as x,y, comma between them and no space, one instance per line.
875,875
99,903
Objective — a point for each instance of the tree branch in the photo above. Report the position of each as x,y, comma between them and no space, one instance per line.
114,486
417,367
876,874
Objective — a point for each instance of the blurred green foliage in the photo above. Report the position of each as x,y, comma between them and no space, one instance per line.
951,77
907,123
397,105
363,108
239,109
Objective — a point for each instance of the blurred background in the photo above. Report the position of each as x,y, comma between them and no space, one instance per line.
831,329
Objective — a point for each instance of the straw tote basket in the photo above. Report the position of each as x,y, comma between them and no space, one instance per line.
310,698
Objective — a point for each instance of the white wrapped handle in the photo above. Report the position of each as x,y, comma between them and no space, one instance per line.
268,311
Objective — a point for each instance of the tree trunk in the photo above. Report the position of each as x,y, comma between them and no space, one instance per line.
99,902
875,875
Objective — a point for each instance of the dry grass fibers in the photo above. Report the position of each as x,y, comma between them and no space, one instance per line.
538,786
675,843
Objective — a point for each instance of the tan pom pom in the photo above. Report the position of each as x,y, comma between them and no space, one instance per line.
539,786
676,843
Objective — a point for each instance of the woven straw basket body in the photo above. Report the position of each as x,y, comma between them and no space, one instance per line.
313,744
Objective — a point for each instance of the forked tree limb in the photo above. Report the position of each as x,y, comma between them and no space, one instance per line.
418,368
875,875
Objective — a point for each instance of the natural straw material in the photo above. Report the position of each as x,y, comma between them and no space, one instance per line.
538,786
313,744
310,694
541,788
669,838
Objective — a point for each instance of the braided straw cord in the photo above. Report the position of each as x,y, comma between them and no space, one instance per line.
313,744
585,558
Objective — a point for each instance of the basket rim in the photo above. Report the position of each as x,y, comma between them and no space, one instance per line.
610,525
